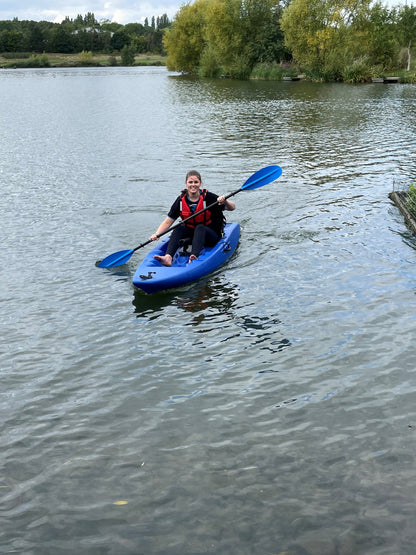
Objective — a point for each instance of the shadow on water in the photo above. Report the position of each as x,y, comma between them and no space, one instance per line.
210,294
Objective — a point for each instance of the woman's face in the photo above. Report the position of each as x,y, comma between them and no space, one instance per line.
193,184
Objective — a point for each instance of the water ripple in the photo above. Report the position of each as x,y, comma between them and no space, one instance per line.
276,394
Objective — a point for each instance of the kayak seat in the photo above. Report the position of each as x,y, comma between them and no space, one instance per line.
185,246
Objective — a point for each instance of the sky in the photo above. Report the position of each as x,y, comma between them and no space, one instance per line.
121,11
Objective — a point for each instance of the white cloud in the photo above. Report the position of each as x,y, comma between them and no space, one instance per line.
121,11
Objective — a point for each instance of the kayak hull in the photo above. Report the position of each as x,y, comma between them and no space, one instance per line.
151,276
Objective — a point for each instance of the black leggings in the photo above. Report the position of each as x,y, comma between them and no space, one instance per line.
201,236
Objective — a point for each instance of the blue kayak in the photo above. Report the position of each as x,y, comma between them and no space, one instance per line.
152,276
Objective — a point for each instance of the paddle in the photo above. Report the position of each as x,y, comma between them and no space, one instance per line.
261,177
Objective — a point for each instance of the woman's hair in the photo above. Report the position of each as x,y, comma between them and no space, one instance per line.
194,173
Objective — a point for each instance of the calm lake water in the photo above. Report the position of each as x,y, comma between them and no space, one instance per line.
268,408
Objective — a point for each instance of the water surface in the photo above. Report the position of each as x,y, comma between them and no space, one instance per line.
267,408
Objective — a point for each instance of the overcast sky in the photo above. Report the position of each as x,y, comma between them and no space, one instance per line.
121,11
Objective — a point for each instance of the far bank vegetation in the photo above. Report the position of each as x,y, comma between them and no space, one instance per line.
352,41
82,41
326,40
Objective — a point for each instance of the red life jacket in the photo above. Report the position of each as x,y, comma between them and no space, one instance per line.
185,211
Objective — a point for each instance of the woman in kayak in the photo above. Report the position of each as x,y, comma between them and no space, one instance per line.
204,230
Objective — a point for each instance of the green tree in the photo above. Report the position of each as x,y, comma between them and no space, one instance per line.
36,39
134,29
406,26
224,36
241,33
127,55
162,22
120,39
228,37
61,40
12,41
324,36
381,36
184,42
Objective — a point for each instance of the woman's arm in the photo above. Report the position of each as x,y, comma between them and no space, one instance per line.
228,204
164,226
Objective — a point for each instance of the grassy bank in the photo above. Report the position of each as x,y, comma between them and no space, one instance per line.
357,73
83,59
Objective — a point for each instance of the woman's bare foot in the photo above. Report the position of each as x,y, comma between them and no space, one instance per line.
192,258
165,260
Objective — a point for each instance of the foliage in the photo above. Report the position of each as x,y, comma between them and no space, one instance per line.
323,36
85,58
345,40
208,63
213,37
127,55
272,71
184,41
381,34
359,71
84,33
411,198
407,28
29,61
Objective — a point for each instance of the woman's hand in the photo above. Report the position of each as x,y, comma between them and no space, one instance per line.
154,237
228,205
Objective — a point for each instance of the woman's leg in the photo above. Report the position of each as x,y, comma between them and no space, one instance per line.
203,236
177,234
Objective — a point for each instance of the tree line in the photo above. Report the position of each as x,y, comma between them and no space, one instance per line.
345,40
84,33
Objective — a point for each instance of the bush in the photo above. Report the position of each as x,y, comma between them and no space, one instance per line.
411,198
16,55
358,72
271,72
85,58
33,61
127,55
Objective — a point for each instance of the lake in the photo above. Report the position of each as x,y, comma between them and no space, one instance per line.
269,408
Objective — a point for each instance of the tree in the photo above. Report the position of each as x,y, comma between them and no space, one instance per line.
11,41
120,39
184,41
227,36
324,36
61,40
381,36
239,31
406,23
127,55
162,22
36,39
224,36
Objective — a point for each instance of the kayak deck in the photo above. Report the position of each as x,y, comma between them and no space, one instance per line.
151,276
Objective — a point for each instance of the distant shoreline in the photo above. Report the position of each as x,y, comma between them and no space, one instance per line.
55,60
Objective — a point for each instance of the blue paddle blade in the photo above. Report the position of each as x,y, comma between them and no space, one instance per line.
116,259
262,177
